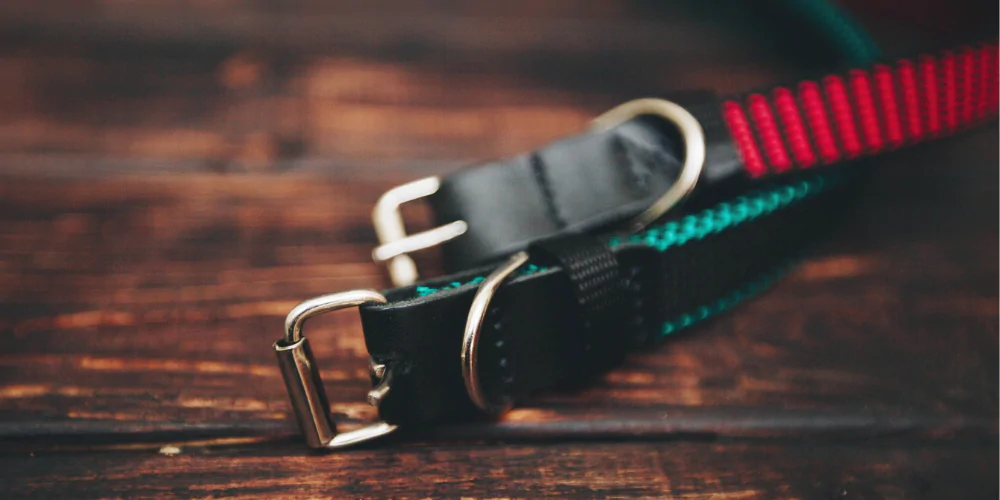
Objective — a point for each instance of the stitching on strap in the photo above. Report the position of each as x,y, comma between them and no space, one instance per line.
538,168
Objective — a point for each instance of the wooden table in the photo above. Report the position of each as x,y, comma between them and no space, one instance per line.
175,178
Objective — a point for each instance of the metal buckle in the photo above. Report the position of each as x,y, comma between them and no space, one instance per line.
302,379
395,243
694,150
470,336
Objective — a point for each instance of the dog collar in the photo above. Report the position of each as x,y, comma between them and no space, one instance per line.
758,174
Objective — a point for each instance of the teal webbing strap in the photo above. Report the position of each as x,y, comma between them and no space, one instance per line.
721,217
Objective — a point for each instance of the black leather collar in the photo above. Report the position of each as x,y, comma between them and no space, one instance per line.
675,274
582,184
590,295
536,334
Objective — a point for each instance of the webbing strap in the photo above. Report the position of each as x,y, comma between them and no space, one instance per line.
864,111
570,314
675,275
594,279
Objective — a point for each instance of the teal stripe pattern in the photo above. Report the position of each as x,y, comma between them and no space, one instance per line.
723,304
423,291
725,215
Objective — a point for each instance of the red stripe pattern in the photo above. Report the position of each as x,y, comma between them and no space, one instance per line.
866,112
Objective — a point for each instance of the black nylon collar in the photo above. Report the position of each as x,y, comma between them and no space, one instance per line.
570,321
675,274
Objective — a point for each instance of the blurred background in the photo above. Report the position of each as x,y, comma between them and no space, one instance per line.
268,86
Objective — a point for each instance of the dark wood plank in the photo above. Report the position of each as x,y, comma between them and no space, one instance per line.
648,470
146,304
416,28
250,110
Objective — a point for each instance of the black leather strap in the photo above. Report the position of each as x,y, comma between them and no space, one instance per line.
590,182
530,339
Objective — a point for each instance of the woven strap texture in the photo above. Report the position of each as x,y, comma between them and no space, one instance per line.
865,111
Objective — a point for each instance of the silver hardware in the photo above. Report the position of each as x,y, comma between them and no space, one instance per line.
395,243
473,325
694,150
302,378
376,370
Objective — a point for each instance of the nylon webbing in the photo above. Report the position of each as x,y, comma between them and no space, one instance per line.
593,277
865,112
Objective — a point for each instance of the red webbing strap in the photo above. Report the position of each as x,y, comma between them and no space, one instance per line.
864,112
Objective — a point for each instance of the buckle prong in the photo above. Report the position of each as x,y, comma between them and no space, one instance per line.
302,377
419,241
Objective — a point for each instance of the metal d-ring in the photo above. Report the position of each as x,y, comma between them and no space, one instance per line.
694,150
302,379
470,338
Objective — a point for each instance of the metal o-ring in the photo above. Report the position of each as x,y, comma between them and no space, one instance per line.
694,150
694,159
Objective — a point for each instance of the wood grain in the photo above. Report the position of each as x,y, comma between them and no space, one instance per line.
676,470
151,301
169,190
253,111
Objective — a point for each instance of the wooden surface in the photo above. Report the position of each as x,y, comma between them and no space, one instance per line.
170,188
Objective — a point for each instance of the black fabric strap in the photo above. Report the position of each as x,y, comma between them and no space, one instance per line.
593,277
586,183
536,334
531,337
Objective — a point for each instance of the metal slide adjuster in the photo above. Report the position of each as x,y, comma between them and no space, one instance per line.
391,232
302,379
694,150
